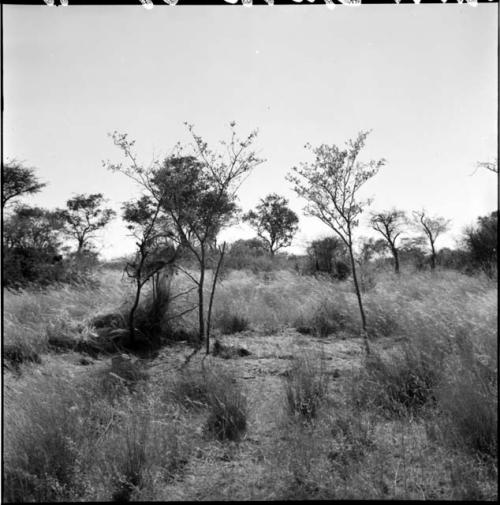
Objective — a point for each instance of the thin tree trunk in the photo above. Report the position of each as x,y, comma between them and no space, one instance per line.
360,302
212,294
433,256
396,259
201,282
131,314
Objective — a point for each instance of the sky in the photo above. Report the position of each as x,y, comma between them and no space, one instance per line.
423,78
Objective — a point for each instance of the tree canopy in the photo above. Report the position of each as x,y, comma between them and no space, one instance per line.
433,227
274,221
330,184
84,215
18,180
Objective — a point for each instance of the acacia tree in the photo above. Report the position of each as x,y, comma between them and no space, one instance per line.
18,180
330,184
198,194
84,215
274,221
389,224
432,228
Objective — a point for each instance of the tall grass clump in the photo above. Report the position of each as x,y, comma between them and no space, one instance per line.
305,387
47,436
147,446
468,401
219,393
228,412
229,323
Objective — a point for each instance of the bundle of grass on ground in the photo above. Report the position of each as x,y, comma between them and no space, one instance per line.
218,392
306,385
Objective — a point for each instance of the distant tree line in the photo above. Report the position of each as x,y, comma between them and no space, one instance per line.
33,238
188,197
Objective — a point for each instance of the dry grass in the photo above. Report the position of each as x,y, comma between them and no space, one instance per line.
67,438
218,392
306,384
59,314
424,425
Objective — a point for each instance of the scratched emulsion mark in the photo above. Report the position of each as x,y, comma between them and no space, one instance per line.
148,4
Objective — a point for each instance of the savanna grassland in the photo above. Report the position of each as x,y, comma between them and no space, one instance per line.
287,406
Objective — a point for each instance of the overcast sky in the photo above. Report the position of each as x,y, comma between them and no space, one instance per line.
423,77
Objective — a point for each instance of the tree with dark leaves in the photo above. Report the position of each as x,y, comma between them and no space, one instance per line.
274,221
482,242
84,215
18,180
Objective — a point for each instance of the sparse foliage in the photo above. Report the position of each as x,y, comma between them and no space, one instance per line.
274,221
331,185
84,215
432,227
197,194
389,224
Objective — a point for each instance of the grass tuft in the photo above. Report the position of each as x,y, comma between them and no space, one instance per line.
305,387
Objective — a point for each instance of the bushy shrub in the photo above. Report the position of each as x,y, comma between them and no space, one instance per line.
27,266
152,318
325,319
151,322
482,243
328,255
229,323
